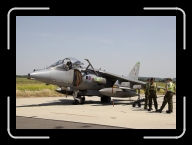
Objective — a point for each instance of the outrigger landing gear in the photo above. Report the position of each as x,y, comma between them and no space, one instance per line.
139,100
78,99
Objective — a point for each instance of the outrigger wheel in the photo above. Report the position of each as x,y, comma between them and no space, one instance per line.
138,100
138,103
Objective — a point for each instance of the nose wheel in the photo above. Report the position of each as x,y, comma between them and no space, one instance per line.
83,98
78,99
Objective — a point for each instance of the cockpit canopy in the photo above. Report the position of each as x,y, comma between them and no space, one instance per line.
74,61
55,64
67,63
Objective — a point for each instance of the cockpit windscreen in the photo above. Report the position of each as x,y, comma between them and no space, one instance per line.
56,63
70,60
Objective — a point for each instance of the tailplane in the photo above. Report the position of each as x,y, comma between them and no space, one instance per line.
134,73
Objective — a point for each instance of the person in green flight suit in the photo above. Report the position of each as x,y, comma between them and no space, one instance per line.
147,93
170,88
153,95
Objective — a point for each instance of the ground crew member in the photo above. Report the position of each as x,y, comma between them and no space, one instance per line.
147,93
170,88
152,95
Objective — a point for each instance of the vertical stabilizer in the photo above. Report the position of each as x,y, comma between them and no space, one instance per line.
134,73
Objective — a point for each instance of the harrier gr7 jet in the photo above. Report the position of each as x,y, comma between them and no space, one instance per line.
75,79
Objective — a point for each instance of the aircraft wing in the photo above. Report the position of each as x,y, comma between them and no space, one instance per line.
114,78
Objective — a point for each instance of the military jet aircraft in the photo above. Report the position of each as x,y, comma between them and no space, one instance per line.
75,79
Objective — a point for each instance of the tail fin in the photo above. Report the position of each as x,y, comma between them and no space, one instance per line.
133,75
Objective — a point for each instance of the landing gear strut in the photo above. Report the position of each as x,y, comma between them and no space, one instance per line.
78,99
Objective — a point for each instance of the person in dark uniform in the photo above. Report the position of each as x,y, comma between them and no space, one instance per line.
67,66
169,90
147,93
70,65
152,95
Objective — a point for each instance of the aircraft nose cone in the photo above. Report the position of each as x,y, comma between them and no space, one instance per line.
42,75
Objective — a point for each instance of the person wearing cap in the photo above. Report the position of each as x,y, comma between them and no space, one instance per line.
152,95
170,88
147,93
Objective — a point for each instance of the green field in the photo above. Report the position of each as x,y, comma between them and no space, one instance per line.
33,88
32,85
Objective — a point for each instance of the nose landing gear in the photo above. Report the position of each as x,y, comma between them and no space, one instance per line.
78,99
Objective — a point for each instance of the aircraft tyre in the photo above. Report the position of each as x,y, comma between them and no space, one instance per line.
102,99
76,102
108,99
105,99
80,101
133,104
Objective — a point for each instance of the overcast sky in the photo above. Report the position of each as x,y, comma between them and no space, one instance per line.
112,43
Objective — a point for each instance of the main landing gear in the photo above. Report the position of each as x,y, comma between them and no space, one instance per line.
105,99
78,99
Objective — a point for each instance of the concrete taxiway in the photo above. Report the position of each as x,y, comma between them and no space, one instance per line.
98,115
